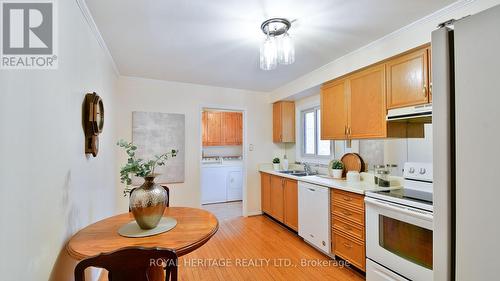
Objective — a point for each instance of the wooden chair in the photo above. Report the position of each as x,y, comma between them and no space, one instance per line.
131,264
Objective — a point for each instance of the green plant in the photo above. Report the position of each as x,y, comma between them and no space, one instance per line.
139,167
276,160
337,165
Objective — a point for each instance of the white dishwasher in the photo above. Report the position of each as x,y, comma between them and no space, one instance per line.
314,215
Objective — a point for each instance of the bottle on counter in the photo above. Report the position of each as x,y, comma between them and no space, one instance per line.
284,164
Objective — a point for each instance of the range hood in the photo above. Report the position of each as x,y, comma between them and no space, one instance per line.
417,114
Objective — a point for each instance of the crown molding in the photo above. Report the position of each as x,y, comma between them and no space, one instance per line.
82,5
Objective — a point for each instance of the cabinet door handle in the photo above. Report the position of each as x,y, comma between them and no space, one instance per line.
345,130
424,90
347,199
346,213
430,88
347,245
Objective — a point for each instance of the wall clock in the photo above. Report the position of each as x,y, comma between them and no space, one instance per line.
93,122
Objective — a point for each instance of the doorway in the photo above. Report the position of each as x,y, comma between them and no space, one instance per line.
223,176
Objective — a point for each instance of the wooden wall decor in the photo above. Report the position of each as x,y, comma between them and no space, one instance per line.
93,122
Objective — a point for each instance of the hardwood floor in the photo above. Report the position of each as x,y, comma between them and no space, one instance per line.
256,248
225,211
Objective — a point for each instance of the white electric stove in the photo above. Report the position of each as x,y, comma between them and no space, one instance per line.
399,228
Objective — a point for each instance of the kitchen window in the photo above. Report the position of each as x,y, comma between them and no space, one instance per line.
312,145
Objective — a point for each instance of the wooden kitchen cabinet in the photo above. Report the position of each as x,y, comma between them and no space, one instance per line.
279,199
408,79
204,124
350,249
277,189
367,111
429,60
290,199
214,128
221,128
265,192
284,121
348,226
355,106
232,129
334,111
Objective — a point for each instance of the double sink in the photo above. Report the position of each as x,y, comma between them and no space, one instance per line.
297,173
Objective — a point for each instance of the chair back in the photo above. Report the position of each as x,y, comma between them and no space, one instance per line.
131,264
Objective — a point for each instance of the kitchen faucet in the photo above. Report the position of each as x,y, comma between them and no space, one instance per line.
307,168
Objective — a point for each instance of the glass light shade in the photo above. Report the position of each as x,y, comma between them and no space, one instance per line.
268,54
286,53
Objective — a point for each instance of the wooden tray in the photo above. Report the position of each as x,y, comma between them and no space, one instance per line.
352,162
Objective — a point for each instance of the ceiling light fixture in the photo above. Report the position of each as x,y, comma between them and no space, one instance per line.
277,47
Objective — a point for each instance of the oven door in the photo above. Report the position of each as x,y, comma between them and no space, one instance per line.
399,238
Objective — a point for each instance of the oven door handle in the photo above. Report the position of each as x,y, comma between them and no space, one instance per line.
401,209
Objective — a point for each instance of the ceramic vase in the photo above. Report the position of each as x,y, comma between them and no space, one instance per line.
336,173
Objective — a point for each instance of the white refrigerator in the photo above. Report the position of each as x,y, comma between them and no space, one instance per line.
466,148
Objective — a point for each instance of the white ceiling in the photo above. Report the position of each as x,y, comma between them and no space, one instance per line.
216,42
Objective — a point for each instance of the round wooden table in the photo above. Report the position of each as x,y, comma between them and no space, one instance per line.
194,228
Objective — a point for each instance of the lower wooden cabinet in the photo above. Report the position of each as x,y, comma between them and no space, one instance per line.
348,227
350,249
277,187
265,193
291,204
279,199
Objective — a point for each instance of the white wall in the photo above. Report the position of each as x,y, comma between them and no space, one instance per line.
137,94
395,43
49,188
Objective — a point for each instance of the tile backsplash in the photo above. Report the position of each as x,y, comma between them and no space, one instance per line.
397,151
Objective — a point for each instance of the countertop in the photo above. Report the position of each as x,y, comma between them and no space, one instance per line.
356,187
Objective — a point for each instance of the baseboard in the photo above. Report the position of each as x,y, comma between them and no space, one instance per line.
253,213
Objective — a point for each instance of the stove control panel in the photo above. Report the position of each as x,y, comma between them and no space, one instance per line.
418,171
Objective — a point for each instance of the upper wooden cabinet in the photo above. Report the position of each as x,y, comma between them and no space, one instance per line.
334,110
214,128
355,106
204,124
232,130
367,114
284,121
408,79
222,128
